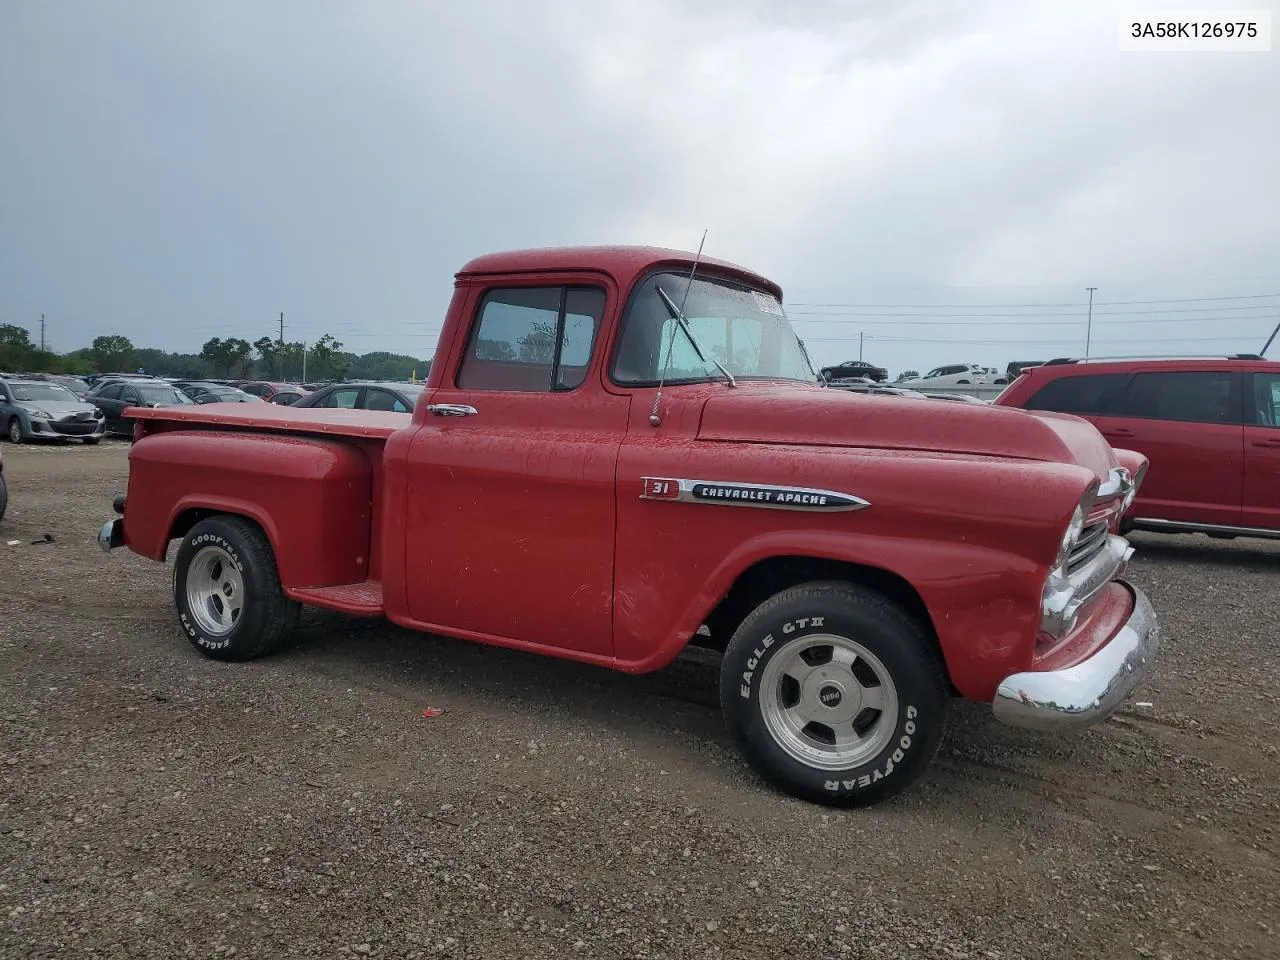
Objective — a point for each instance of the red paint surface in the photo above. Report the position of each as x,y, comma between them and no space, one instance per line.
1217,473
312,496
523,526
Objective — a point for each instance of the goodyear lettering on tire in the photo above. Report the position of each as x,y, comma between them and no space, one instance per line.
899,753
211,539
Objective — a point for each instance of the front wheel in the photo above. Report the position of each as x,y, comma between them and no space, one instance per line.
15,430
227,591
834,693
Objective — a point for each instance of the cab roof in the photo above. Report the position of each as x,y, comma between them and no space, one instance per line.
624,263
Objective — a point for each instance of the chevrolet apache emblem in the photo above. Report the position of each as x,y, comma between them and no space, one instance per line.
748,495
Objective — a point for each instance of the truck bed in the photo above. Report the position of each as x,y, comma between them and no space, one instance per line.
290,463
329,421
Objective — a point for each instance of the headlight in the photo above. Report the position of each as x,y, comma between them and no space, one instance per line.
39,414
1069,538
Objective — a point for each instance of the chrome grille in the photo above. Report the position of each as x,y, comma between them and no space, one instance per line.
1091,541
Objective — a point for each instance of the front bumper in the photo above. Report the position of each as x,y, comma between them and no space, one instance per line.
68,428
1080,696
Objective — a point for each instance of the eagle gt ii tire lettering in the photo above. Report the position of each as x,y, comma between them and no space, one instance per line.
834,693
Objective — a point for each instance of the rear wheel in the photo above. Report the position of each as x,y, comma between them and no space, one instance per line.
227,591
834,693
15,430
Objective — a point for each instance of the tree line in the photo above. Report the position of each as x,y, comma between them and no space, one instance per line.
230,357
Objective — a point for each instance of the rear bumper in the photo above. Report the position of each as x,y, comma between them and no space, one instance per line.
111,534
1085,694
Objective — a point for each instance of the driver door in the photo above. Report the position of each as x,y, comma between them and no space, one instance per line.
511,508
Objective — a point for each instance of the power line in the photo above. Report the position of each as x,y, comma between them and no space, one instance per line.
1001,322
1074,303
997,343
1081,308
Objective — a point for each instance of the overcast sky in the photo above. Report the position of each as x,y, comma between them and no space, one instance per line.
949,177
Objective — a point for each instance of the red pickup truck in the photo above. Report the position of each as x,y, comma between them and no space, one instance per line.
623,450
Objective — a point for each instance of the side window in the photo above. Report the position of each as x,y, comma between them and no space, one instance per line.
130,395
1084,395
1266,399
1208,397
380,400
341,398
583,308
399,406
4,394
532,339
257,389
111,392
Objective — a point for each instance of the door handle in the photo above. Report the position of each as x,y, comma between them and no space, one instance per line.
452,409
1117,433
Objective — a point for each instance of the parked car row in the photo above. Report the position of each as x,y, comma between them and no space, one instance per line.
43,406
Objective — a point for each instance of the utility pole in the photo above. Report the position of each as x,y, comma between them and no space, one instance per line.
1088,330
42,333
859,344
304,362
280,373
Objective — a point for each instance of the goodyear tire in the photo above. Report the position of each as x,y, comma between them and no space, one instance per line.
834,694
227,591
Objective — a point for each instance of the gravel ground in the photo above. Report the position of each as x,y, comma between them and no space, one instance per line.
157,804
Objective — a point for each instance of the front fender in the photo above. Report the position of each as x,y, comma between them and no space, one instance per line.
24,420
972,536
983,603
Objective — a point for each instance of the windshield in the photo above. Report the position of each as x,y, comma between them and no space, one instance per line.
42,391
745,329
161,395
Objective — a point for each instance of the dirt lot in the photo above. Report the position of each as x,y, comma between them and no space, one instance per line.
157,804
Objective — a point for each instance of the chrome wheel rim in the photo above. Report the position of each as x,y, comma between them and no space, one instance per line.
828,702
215,591
15,431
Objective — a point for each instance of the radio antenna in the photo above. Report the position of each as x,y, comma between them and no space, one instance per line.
654,419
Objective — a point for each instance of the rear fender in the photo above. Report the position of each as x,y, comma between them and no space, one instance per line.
311,496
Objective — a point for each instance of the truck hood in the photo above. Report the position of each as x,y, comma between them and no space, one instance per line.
837,418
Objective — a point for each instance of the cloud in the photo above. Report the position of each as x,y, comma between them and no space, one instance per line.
185,171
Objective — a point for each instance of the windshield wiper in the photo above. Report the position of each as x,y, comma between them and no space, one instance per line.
809,360
678,317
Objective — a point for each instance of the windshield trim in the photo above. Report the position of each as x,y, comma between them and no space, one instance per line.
705,272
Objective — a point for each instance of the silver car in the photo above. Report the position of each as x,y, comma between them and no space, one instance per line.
37,409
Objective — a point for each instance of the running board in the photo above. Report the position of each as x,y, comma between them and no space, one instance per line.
1212,529
362,599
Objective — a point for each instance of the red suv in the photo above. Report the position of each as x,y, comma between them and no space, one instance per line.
1209,426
